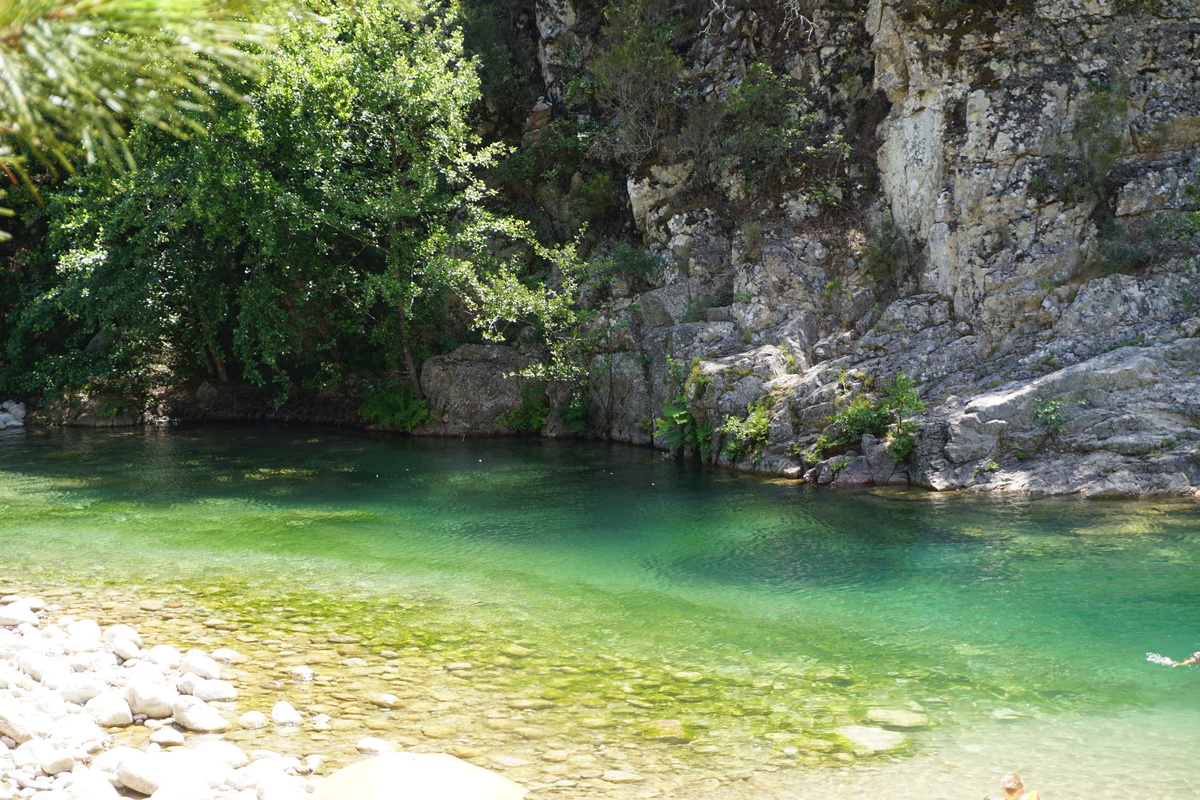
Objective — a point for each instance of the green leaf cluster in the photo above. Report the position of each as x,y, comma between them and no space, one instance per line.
889,418
531,414
679,427
771,133
1050,413
635,78
389,402
576,413
749,435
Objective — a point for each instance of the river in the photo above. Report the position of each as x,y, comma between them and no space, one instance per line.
706,631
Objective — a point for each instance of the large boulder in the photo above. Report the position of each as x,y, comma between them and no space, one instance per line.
471,388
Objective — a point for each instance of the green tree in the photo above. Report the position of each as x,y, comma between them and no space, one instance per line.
316,231
406,188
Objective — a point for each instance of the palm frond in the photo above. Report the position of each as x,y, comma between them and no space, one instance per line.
74,73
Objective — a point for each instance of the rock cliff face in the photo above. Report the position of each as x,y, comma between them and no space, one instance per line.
1011,245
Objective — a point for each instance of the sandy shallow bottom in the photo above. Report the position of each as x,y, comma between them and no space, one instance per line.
470,713
1092,758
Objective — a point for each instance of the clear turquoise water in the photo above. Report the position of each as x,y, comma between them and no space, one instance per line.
1030,615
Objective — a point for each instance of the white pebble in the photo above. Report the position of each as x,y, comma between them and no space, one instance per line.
84,629
110,709
17,613
196,715
188,683
214,690
146,696
225,752
125,649
164,655
199,663
114,632
82,688
285,714
253,720
371,746
167,736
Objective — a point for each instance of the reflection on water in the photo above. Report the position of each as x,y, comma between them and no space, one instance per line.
1031,615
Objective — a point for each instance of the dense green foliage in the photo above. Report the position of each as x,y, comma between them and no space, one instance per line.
530,415
762,129
389,402
318,231
770,133
889,418
634,77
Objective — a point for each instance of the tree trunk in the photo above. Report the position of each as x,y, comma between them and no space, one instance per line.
210,347
410,366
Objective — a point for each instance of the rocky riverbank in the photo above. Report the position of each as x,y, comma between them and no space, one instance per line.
1043,300
1013,230
282,703
75,696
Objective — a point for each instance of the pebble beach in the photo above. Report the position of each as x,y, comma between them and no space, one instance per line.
92,711
108,695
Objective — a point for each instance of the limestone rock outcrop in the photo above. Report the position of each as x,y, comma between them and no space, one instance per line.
1011,244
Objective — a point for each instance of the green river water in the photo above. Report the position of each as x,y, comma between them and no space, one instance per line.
761,615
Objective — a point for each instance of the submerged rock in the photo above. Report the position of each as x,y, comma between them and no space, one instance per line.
872,740
671,731
897,718
620,776
253,720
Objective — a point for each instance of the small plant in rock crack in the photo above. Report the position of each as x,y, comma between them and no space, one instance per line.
1049,413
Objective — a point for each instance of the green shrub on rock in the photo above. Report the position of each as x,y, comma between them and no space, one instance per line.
889,419
772,134
531,414
679,427
749,435
634,76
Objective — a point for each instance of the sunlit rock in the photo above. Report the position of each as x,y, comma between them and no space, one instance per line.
284,713
196,715
424,776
